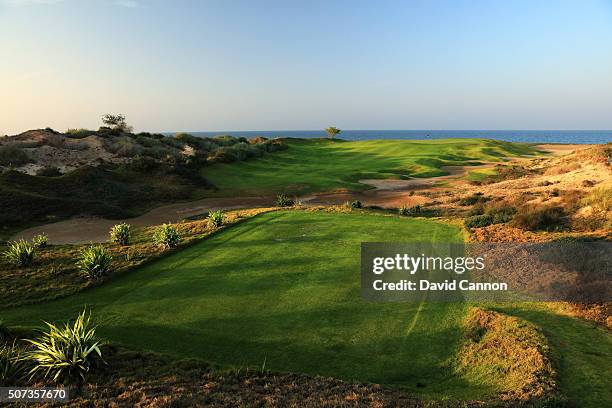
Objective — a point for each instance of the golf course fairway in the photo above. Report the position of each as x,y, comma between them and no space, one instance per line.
282,289
311,165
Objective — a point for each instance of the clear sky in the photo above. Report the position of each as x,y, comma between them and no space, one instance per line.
289,64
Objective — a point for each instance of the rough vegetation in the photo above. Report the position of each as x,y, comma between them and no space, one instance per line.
47,175
508,353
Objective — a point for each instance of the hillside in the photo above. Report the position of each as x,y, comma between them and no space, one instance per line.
46,175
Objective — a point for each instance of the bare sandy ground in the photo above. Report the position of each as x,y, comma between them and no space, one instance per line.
562,149
390,193
91,229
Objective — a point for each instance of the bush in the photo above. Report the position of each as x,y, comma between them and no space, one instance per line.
535,218
20,253
215,218
166,236
13,156
283,201
121,234
125,147
48,171
40,241
94,261
406,210
600,198
79,133
500,214
223,155
478,221
65,354
356,204
188,139
225,140
473,199
12,367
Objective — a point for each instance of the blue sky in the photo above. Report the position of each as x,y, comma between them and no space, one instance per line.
264,65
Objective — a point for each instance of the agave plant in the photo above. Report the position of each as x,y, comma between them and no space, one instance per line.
283,201
94,261
406,210
215,218
65,353
12,366
167,236
40,241
121,234
20,253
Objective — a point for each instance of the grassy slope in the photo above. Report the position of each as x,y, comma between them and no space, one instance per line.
283,288
28,200
319,164
582,350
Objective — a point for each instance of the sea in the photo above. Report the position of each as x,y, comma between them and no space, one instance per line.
527,136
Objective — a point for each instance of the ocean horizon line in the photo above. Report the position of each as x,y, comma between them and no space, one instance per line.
524,136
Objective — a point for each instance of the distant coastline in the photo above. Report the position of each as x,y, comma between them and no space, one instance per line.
527,136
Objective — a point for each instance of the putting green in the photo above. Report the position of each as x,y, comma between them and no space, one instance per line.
319,165
284,289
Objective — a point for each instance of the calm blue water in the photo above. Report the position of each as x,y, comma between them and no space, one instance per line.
529,136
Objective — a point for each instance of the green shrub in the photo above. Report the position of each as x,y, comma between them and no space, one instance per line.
94,261
215,218
166,236
478,221
79,133
40,241
473,199
13,156
12,366
65,354
406,210
48,171
275,146
534,218
20,253
121,234
477,209
187,138
223,155
283,201
225,140
501,214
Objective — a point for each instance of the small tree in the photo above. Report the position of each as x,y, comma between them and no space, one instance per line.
116,122
332,131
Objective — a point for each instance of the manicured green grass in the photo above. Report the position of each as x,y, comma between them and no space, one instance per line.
284,289
480,175
320,164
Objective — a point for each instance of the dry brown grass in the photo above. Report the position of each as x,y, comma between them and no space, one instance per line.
133,379
507,353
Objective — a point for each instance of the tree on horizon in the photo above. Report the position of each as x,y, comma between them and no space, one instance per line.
332,131
116,122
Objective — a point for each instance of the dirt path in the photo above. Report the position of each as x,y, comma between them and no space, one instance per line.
390,193
92,229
